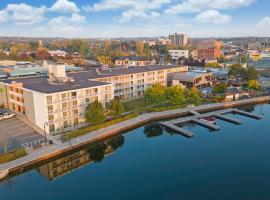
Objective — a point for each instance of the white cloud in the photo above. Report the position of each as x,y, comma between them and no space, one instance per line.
132,9
65,6
212,16
63,23
141,5
191,6
264,23
3,16
22,14
133,14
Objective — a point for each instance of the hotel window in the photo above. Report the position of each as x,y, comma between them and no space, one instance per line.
51,127
76,121
65,114
49,99
74,103
50,108
73,94
66,124
75,112
50,117
64,105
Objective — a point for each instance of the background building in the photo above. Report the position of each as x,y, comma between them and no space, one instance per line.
209,50
176,54
179,40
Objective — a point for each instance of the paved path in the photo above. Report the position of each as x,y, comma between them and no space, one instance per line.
125,125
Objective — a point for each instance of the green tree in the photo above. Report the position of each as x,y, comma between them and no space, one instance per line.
252,74
175,95
116,107
95,113
221,88
194,96
237,71
155,94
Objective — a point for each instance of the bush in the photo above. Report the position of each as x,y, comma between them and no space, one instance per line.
88,129
7,157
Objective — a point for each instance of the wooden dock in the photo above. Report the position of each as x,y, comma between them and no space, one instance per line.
228,119
247,114
178,129
206,124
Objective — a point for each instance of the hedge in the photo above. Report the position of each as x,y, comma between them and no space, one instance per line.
10,156
85,130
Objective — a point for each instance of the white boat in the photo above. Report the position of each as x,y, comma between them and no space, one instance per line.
4,173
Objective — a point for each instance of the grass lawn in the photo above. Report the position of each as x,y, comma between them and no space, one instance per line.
134,104
4,158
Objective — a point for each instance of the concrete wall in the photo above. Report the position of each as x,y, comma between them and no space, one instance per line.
29,106
39,102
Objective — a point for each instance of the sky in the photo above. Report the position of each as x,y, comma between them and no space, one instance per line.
134,18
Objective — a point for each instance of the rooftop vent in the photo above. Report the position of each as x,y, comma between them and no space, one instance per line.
57,73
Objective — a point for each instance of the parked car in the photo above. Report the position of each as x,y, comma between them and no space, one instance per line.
6,115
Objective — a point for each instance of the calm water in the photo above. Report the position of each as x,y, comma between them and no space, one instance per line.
264,63
151,163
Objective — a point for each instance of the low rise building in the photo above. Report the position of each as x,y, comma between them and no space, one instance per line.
192,79
135,61
209,50
176,54
57,103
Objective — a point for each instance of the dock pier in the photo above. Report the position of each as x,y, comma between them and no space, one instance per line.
205,124
247,114
228,119
177,129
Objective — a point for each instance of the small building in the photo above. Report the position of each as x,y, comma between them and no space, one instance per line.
192,79
176,54
135,61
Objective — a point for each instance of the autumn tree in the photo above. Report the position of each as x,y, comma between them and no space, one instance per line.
175,95
155,94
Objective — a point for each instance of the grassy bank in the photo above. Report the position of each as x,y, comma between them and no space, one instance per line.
7,157
85,130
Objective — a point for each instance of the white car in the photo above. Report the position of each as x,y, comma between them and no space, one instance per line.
6,116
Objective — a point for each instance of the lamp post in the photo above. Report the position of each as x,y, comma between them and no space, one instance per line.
45,133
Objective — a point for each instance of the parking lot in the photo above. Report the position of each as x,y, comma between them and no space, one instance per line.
18,134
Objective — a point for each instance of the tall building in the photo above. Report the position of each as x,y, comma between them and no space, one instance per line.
209,50
179,40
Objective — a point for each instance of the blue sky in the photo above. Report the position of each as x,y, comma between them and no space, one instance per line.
134,18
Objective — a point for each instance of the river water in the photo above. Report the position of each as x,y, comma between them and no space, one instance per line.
153,163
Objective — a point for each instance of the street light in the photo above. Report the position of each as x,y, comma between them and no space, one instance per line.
45,134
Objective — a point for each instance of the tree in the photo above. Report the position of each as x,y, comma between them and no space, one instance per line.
175,95
116,107
194,96
254,84
95,113
154,94
221,88
213,65
237,71
252,74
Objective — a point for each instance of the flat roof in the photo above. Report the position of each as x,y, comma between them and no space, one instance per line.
41,84
120,71
82,79
189,76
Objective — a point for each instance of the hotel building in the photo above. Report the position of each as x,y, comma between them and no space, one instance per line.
57,103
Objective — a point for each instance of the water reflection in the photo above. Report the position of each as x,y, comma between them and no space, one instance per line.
153,130
93,153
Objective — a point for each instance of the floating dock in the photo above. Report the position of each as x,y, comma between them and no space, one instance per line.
228,119
247,114
205,124
197,119
178,129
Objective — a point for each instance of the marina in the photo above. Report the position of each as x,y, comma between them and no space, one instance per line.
235,157
200,119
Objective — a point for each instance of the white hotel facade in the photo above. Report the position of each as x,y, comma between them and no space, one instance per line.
57,103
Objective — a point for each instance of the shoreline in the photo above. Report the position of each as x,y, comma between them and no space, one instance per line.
57,150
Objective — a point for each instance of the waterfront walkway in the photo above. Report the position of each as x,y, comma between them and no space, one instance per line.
56,149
